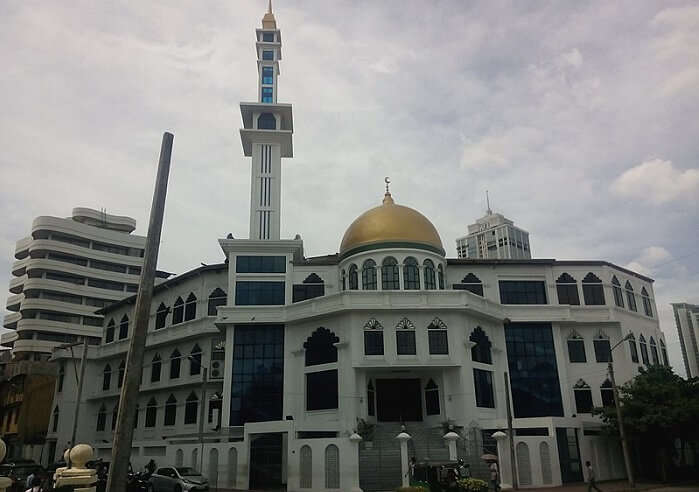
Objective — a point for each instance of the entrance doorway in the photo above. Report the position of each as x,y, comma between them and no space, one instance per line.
266,462
569,454
398,400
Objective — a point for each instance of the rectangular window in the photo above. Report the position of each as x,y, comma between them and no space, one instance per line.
301,292
634,350
321,390
259,293
432,401
568,294
603,351
576,350
267,95
405,342
110,267
607,397
593,294
473,288
583,400
268,55
437,339
268,37
483,383
260,264
522,292
268,75
105,284
111,248
373,342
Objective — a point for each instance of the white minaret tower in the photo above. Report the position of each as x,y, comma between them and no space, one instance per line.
267,134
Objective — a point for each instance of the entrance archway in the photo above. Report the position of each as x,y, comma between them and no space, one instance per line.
398,400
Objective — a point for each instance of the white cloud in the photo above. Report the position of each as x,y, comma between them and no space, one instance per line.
658,181
650,257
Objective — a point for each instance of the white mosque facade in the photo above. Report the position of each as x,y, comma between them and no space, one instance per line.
275,369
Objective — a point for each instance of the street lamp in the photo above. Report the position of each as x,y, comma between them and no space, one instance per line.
622,434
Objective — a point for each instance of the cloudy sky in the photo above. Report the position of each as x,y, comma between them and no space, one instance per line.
579,117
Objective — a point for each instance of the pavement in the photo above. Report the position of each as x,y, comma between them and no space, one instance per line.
620,486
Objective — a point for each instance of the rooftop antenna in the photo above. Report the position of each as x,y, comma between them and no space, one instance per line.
487,199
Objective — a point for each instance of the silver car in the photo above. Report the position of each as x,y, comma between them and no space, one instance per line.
178,479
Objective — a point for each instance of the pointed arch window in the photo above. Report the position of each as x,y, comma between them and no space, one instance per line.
647,306
432,398
190,308
320,347
411,274
373,337
54,426
437,337
481,351
161,316
195,361
109,332
267,121
354,277
430,277
155,367
369,281
120,374
405,338
217,298
371,399
175,361
440,277
115,415
190,409
178,311
644,350
567,289
101,419
654,351
470,283
151,413
663,351
618,294
583,397
332,467
603,349
313,286
607,392
593,292
124,327
576,348
632,348
630,297
170,411
390,277
107,377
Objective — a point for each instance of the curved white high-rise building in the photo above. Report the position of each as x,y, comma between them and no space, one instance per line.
65,270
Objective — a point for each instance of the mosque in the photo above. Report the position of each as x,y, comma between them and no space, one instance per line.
273,370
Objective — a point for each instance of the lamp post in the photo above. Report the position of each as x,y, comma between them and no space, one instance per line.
622,434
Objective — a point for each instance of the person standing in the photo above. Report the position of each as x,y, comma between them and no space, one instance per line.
495,476
591,478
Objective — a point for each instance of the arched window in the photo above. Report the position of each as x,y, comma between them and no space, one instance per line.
470,283
107,377
576,348
54,426
343,280
368,275
567,289
216,298
481,351
632,348
306,467
161,316
190,409
663,351
232,467
179,458
354,277
120,374
411,274
583,397
593,292
373,337
115,415
101,418
178,311
647,306
630,297
190,308
109,333
603,349
175,361
431,398
618,294
61,376
155,366
644,350
440,277
405,338
124,327
524,466
195,361
430,279
437,337
654,351
266,121
320,347
607,392
332,467
545,459
371,399
170,410
312,286
390,278
195,458
151,412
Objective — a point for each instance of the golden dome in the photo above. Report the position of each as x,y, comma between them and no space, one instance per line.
390,225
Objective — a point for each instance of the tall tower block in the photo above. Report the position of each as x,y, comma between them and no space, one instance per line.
266,135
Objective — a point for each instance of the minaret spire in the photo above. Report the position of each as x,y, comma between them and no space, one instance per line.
269,7
487,197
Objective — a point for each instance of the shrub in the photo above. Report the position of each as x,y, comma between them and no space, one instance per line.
473,485
413,488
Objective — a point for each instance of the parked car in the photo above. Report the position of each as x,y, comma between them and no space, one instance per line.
178,479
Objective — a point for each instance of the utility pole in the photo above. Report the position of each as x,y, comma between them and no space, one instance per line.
123,434
622,433
78,397
511,433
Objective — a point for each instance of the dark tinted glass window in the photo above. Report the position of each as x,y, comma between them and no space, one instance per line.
260,264
109,335
593,292
369,281
216,298
268,55
633,349
266,121
373,342
618,295
576,350
155,367
644,350
481,352
470,283
161,316
522,292
268,37
320,347
106,378
583,400
195,361
178,311
371,398
607,393
405,342
431,398
483,384
568,294
151,413
603,351
170,411
438,342
267,75
190,409
654,351
267,95
259,293
411,274
190,308
175,362
124,327
321,390
101,419
390,279
354,278
302,292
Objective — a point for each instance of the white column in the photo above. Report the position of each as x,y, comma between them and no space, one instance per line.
451,437
404,437
504,464
354,462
